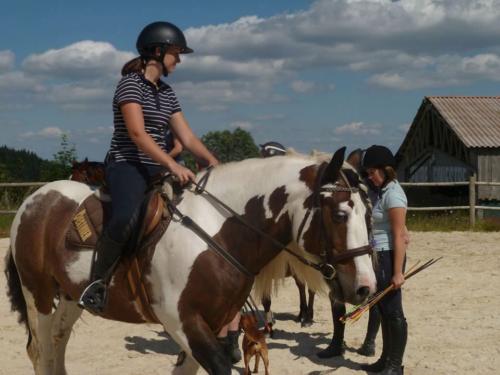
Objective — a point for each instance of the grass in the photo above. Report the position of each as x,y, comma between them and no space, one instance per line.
448,221
5,222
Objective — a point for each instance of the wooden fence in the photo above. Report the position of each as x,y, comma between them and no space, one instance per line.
472,207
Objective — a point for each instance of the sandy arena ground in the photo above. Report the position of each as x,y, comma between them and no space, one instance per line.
452,310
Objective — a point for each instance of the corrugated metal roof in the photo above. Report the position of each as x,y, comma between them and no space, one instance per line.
475,119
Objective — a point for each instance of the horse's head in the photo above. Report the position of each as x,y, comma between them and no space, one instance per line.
336,226
88,172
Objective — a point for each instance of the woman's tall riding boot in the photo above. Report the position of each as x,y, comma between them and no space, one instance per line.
233,347
398,329
107,254
380,364
337,346
368,347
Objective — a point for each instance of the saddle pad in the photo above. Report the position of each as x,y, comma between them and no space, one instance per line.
86,224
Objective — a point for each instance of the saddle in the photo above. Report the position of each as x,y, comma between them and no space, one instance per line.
154,218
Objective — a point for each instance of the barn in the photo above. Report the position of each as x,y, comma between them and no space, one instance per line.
450,139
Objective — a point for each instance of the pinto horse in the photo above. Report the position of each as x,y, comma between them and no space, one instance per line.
312,204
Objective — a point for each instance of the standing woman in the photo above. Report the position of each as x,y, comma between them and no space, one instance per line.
390,235
145,109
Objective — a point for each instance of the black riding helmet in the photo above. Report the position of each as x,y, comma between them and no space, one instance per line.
378,157
272,149
160,35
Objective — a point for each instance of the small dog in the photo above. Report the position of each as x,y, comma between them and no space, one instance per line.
254,343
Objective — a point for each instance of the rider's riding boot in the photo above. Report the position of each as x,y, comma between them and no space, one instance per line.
398,329
108,253
337,345
233,346
380,364
228,348
368,347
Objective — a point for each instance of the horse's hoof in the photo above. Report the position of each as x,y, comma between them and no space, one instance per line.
306,323
333,350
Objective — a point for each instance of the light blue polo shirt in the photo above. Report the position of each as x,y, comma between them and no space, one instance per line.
391,196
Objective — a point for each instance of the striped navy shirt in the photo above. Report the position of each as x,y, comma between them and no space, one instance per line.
158,106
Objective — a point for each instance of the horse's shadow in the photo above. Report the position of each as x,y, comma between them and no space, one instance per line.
301,344
161,345
307,344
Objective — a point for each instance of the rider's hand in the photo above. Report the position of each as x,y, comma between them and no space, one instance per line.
398,280
183,174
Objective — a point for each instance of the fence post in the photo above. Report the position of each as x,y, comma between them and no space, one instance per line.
472,200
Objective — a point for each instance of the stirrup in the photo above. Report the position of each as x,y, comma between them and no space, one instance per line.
94,297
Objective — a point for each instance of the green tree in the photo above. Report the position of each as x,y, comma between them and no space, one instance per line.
67,154
60,167
227,146
4,172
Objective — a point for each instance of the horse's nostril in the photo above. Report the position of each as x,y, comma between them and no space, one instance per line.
363,291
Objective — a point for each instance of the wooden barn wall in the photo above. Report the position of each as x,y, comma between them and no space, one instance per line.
438,167
488,165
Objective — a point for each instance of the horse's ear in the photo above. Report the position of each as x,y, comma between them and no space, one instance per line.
74,164
331,173
86,160
354,158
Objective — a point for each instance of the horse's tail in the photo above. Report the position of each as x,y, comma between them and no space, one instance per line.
14,290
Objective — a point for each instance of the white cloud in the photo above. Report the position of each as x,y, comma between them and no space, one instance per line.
220,93
7,58
13,82
75,93
393,41
403,45
404,128
49,133
358,128
245,125
79,60
302,87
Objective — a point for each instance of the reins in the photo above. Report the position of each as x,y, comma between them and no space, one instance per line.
327,270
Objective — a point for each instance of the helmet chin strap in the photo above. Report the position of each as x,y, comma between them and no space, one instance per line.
161,60
165,70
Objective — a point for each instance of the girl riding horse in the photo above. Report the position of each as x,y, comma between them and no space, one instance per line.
199,275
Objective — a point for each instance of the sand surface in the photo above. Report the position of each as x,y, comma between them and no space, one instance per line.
452,310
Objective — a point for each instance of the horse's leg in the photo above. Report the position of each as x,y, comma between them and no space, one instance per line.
269,316
64,318
188,367
309,318
40,349
303,300
204,346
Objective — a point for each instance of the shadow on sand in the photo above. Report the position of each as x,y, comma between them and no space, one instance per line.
307,344
161,345
301,344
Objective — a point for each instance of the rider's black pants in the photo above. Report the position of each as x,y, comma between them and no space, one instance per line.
127,183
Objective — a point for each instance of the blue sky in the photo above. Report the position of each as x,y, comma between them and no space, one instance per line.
309,74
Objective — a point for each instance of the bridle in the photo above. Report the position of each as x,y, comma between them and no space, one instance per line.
340,256
326,268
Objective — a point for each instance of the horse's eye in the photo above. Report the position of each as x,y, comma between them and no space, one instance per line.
340,216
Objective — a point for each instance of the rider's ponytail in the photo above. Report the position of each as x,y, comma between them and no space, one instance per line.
136,65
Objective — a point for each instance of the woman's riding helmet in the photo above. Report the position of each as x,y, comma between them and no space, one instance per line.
378,157
272,149
163,35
